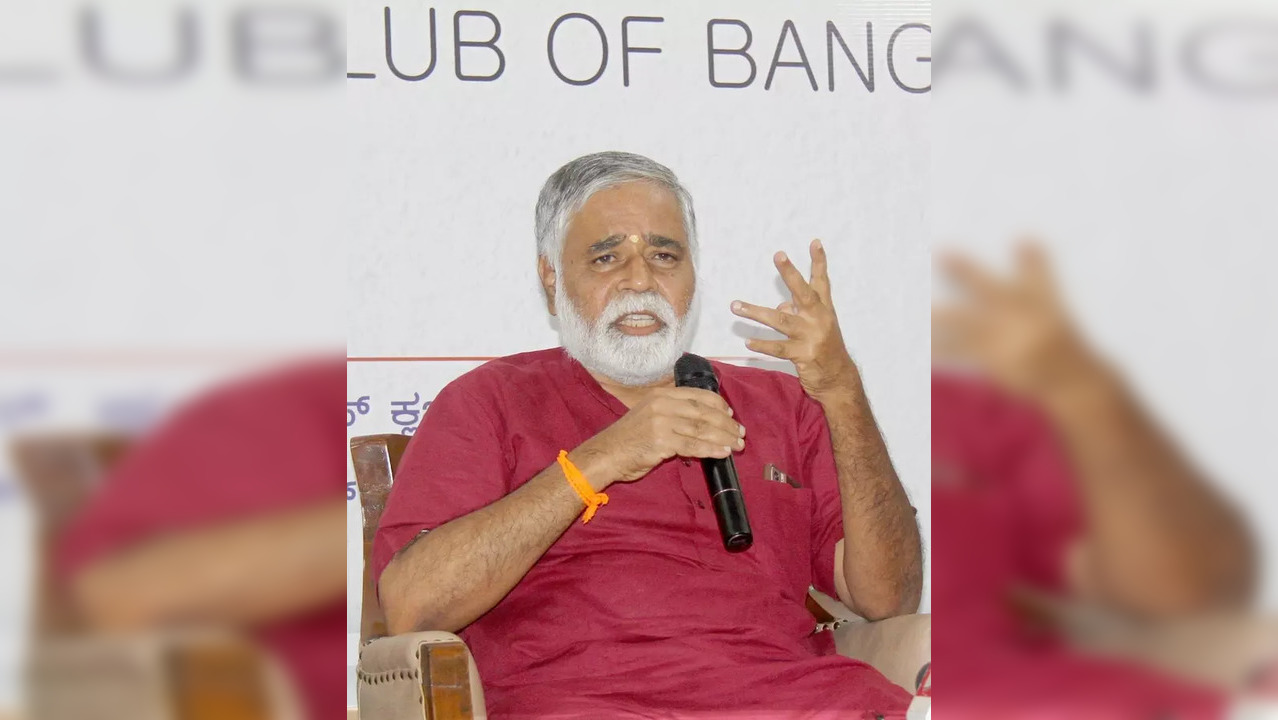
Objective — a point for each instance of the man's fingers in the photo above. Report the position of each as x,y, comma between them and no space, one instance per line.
971,278
820,271
699,397
956,351
703,420
775,348
701,410
782,322
950,319
688,447
949,333
1034,268
957,333
788,307
800,290
708,432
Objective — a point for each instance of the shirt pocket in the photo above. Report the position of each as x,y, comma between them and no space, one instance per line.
781,522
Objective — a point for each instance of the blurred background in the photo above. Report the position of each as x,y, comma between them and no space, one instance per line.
1118,383
172,225
1134,141
173,183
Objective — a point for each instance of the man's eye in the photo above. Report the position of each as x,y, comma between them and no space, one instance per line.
604,259
666,257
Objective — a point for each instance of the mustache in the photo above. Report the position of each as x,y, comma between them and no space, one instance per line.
650,302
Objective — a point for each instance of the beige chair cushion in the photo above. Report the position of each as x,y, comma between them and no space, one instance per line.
389,682
898,647
157,676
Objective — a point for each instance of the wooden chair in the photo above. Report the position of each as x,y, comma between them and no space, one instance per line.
419,676
59,473
432,676
72,674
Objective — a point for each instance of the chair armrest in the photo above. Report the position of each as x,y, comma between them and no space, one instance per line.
419,676
898,647
160,675
1222,649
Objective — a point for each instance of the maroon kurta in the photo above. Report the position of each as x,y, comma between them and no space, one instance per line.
642,610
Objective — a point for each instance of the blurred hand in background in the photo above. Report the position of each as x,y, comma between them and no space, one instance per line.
1015,330
1064,505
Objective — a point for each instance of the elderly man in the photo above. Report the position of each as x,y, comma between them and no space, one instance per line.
637,608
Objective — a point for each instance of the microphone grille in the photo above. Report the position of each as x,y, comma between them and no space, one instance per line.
695,371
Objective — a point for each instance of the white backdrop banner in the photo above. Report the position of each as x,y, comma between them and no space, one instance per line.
787,122
1150,182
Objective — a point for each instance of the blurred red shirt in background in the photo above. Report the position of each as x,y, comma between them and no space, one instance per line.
269,444
1005,512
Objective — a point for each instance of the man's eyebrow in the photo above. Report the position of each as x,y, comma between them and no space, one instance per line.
612,241
607,243
662,241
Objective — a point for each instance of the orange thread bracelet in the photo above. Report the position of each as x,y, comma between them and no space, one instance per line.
578,482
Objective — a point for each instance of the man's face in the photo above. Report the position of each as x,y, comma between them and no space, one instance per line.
601,258
626,284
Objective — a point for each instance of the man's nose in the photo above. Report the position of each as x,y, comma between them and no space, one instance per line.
637,275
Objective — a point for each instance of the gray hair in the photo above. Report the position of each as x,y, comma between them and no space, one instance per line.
568,189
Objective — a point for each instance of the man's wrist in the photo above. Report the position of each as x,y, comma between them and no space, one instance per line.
1071,372
594,464
844,389
1081,384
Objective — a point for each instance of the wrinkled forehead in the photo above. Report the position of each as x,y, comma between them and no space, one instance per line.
636,208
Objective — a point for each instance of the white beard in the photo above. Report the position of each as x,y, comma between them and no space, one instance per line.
631,360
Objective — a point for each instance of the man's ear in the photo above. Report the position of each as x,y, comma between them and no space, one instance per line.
547,274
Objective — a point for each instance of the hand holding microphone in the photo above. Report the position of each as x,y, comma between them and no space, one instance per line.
690,420
695,371
687,422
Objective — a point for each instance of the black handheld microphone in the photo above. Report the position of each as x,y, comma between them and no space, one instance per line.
721,473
